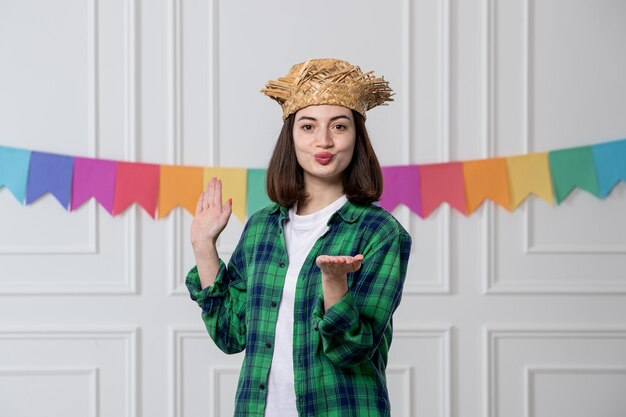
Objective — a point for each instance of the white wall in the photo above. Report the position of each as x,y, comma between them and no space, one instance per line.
504,314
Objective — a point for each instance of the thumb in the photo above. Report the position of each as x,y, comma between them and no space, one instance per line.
356,262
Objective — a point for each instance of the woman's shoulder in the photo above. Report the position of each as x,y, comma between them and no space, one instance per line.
264,214
376,220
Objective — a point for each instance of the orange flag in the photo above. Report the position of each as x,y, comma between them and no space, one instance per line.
486,178
179,186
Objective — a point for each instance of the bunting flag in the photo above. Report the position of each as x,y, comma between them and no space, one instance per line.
464,185
486,178
136,183
609,160
571,168
50,173
529,174
442,183
233,186
93,178
402,186
257,197
179,186
14,171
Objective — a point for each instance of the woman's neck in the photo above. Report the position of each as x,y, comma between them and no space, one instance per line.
321,195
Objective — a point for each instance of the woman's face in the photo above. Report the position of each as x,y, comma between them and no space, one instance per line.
324,137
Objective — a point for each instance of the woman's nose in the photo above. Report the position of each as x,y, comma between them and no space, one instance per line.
324,140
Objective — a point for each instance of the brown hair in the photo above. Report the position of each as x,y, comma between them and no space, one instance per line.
362,178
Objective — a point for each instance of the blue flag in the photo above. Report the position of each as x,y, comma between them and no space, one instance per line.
610,161
14,171
50,173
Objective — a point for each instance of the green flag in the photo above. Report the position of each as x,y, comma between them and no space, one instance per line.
257,197
573,167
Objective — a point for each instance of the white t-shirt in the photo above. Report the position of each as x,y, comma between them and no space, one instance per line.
301,233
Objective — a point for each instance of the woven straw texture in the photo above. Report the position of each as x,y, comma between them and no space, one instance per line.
328,81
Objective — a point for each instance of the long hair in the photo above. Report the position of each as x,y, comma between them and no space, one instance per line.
362,178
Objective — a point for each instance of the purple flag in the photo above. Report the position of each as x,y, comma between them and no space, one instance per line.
50,173
402,186
94,178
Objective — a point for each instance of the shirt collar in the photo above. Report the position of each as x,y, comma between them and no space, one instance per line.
349,212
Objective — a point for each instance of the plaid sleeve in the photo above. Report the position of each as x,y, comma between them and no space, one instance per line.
352,329
223,304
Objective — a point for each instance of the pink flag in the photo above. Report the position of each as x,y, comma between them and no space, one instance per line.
402,186
93,178
442,183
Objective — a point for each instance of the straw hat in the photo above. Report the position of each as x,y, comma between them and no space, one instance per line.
328,81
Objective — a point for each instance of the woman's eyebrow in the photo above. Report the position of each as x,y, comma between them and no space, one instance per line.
332,119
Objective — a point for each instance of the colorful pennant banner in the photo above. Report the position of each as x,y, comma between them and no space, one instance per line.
464,185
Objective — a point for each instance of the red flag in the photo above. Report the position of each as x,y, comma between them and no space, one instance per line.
136,183
442,182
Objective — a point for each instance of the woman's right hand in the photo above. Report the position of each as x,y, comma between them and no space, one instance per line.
211,216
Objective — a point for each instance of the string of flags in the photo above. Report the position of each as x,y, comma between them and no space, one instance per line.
464,185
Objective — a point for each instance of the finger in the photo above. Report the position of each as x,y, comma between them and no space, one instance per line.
218,195
356,265
199,203
320,260
212,191
228,209
205,198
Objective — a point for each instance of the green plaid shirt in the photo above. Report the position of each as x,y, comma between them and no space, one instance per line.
339,355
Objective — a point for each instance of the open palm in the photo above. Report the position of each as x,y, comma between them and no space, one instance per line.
211,215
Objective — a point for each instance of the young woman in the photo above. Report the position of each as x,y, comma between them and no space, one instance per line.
310,289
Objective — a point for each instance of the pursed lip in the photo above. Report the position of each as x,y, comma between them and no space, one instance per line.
324,157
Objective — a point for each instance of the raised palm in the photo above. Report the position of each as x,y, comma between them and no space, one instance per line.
211,215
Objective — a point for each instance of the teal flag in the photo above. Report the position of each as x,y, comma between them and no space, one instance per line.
573,167
14,171
610,160
257,197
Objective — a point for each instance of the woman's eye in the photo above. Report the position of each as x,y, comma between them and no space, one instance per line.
307,127
340,127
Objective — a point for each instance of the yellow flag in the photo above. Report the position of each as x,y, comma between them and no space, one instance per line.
530,173
179,186
234,185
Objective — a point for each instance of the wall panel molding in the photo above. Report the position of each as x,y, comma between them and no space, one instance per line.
492,334
92,143
91,375
443,335
129,335
176,233
531,373
60,285
442,283
491,283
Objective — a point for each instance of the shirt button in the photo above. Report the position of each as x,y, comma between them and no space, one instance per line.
268,345
273,303
262,386
282,264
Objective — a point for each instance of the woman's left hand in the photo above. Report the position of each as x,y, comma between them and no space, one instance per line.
335,267
334,276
